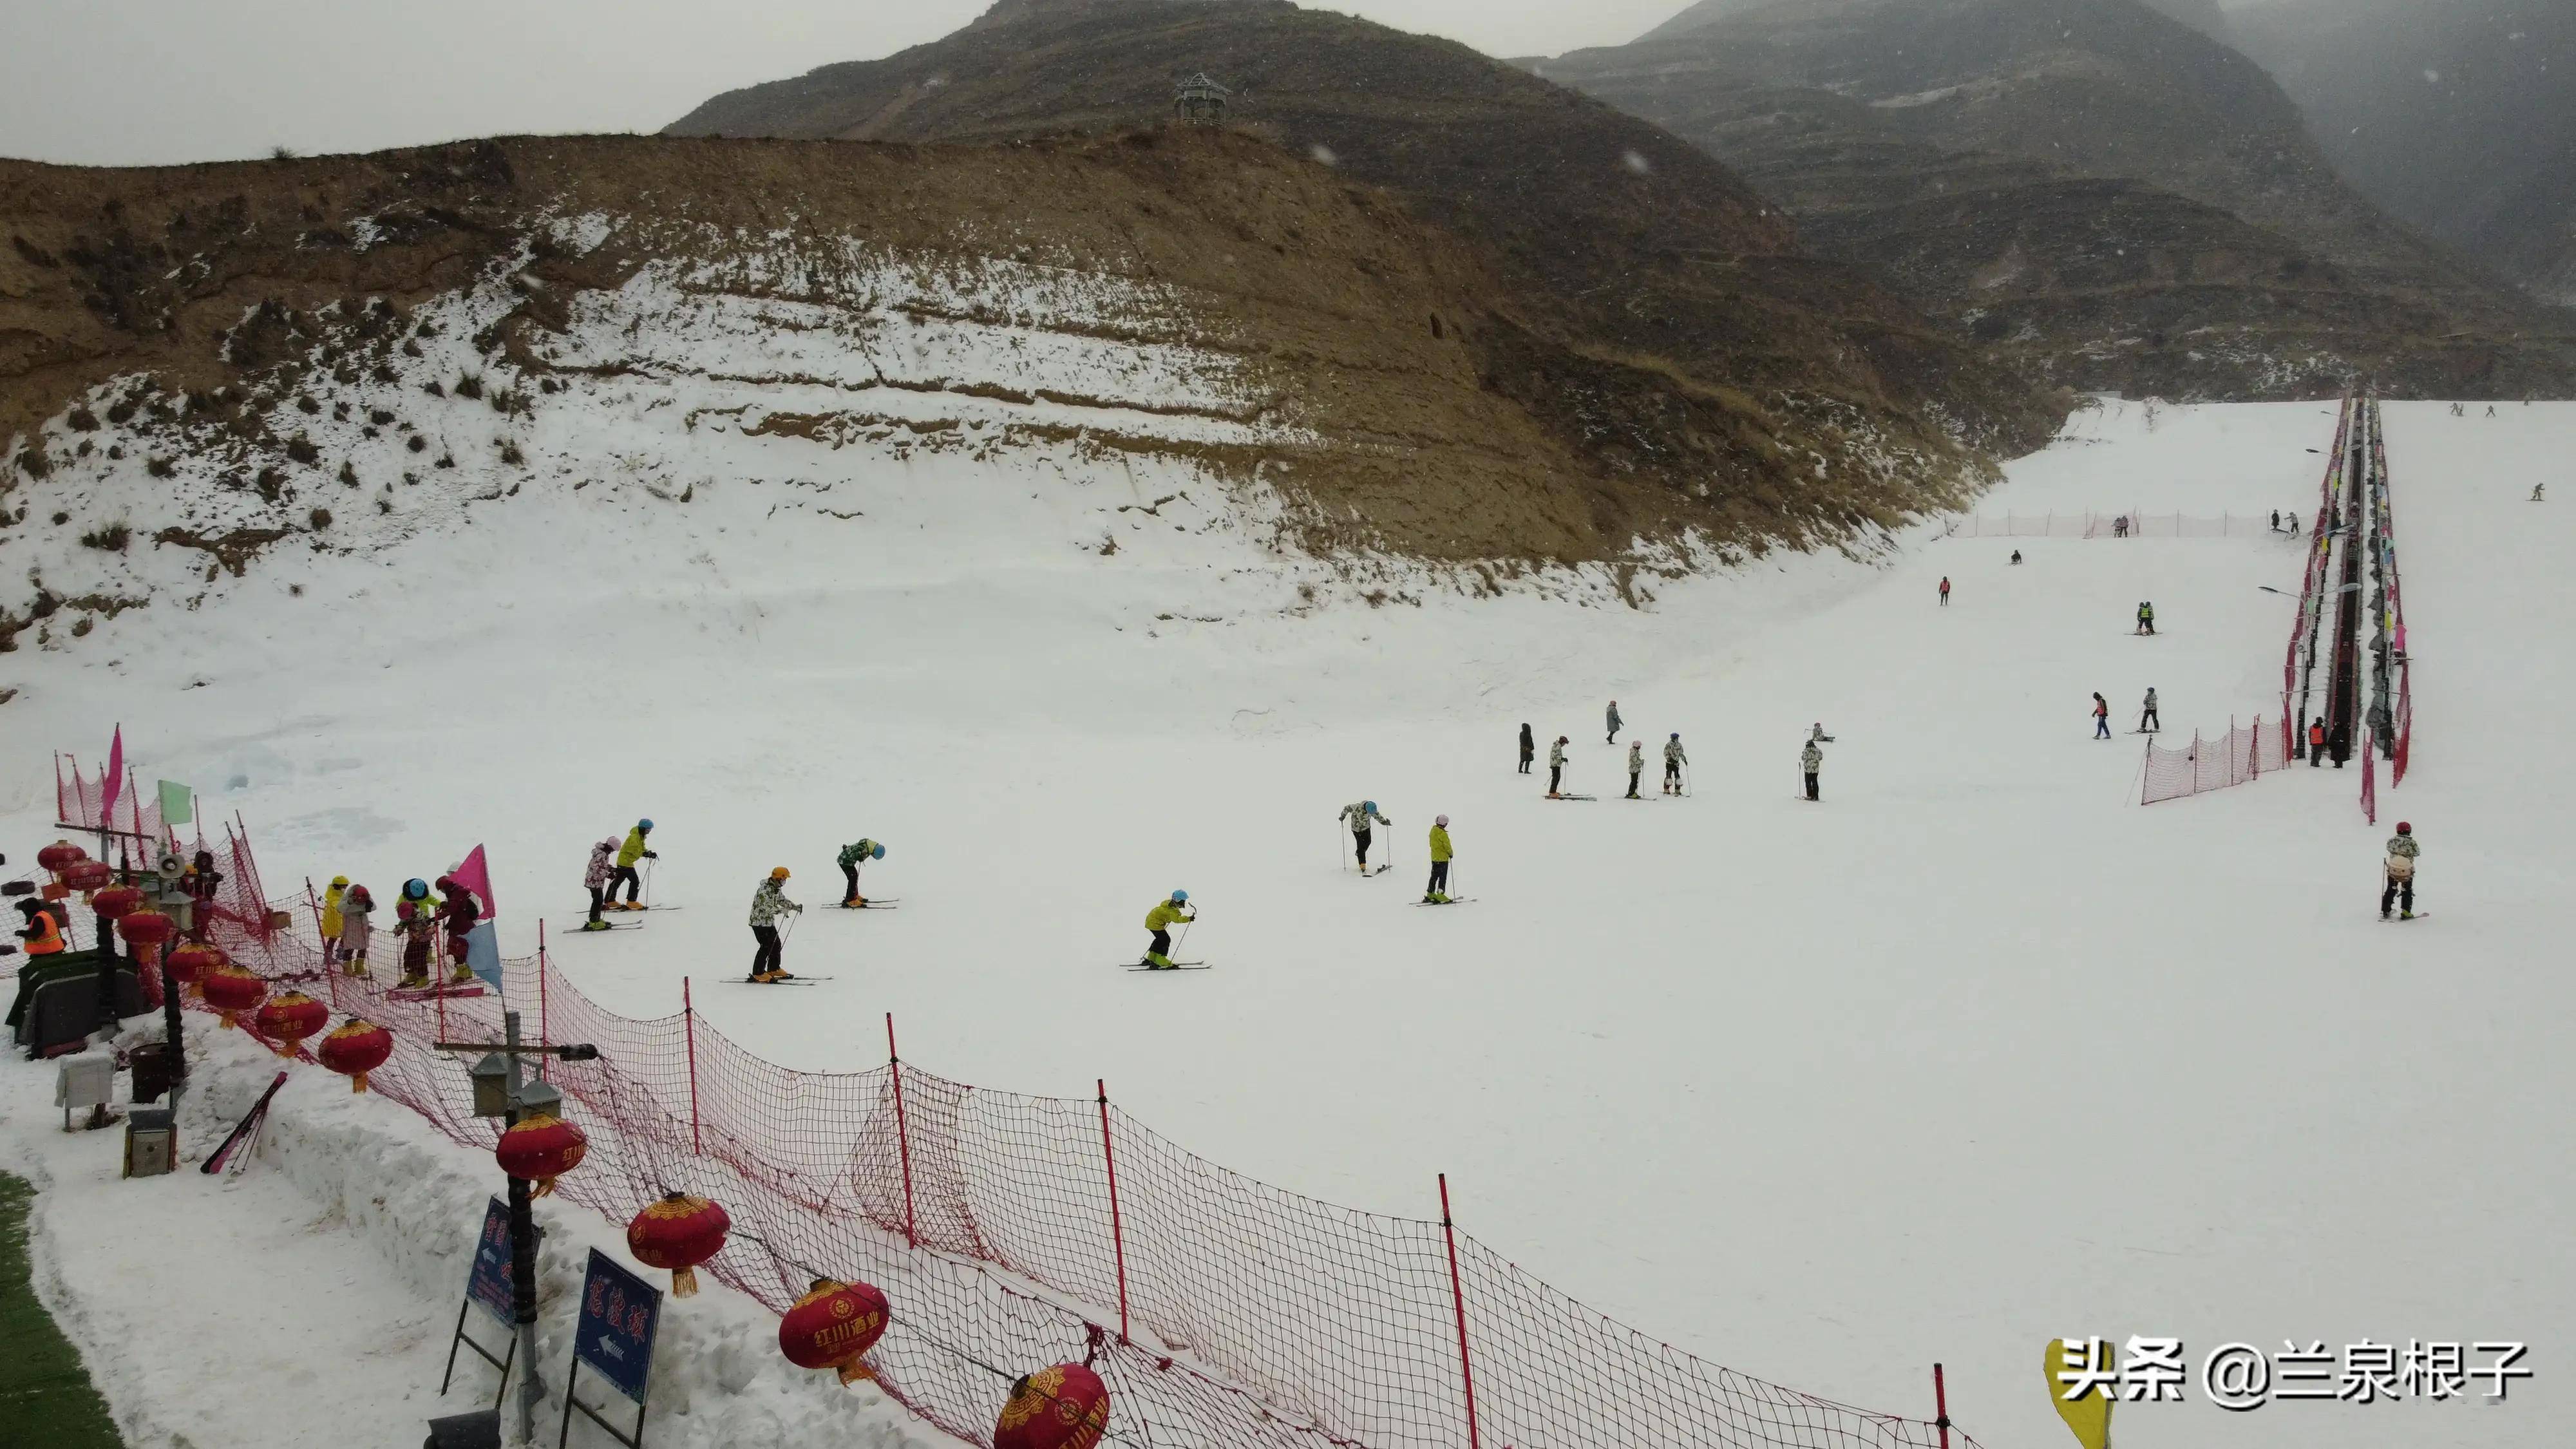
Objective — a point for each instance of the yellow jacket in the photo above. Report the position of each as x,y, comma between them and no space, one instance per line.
1439,844
632,851
1164,916
331,897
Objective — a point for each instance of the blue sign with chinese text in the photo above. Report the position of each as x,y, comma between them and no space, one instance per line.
490,1283
618,1313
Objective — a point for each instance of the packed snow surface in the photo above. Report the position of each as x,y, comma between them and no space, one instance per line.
1975,1054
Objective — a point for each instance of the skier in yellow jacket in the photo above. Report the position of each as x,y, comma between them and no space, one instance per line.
1160,920
1437,893
332,895
633,850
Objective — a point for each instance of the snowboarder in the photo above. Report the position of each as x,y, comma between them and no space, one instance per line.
596,877
1636,766
1674,759
2149,722
2399,885
633,850
458,913
1358,817
1437,892
355,907
1614,721
1173,911
1812,760
332,895
1529,749
768,903
415,919
2317,742
1945,591
1818,734
2101,716
854,855
2146,617
1556,768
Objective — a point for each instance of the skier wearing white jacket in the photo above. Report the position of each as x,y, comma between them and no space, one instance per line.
1812,760
1636,766
2399,875
1674,759
1556,768
1358,816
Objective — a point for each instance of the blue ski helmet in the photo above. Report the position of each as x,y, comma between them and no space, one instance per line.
1180,898
1677,734
877,854
644,825
1370,807
416,888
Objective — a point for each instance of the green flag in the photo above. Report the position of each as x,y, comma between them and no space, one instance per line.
178,803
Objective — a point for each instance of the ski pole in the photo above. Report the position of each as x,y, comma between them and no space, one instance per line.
648,883
1184,937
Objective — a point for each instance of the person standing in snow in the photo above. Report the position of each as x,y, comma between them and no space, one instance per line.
2535,492
1437,892
1173,911
602,869
355,907
1529,749
2101,716
2399,878
1556,768
1945,591
2276,520
332,895
1358,816
458,913
1674,759
2016,556
636,848
2148,720
1614,721
202,881
415,920
1812,760
2317,742
853,855
768,903
2146,617
1636,766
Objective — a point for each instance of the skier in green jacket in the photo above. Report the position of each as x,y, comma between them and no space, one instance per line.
1174,911
853,855
633,850
1437,893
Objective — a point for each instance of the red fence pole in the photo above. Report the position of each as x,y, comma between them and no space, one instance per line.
1117,1230
1941,1406
542,1038
689,1023
1458,1298
902,1137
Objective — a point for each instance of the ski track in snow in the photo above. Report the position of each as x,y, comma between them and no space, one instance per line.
1978,1054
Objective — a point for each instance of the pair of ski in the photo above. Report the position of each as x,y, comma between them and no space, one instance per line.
782,981
1175,966
878,903
1573,797
1452,901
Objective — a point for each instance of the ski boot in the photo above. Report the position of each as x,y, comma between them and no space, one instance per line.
1157,961
2405,915
596,926
461,976
412,983
855,903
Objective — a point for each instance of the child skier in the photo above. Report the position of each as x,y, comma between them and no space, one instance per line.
1529,750
1358,817
1818,734
1160,920
459,914
1636,766
1945,591
853,855
355,907
332,895
2146,618
1437,892
1812,760
415,920
768,903
2101,716
1674,759
1556,768
2399,878
1612,719
633,850
596,877
2148,720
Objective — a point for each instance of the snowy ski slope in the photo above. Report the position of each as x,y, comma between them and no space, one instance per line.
1975,1054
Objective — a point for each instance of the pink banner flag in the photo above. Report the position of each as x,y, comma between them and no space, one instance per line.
476,876
113,781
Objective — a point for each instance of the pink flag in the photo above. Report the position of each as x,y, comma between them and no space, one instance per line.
113,780
475,876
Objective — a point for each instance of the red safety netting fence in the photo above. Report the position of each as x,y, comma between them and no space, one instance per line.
2132,524
83,803
2245,753
1011,1232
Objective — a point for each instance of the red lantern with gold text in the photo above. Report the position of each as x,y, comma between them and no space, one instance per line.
289,1019
1064,1407
117,902
232,989
540,1149
354,1049
88,875
57,857
832,1325
188,962
678,1233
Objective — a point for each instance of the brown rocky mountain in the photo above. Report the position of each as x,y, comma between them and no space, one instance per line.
2088,184
1657,313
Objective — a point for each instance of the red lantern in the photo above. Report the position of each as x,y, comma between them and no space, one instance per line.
1064,1407
289,1019
88,875
232,989
117,902
678,1233
354,1049
145,927
540,1149
832,1325
61,853
188,962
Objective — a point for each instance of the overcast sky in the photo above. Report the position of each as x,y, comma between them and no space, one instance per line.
123,82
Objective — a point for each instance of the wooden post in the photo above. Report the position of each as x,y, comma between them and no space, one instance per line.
1458,1298
902,1137
1117,1230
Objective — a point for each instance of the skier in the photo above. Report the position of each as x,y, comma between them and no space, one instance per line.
2399,885
602,870
2317,742
459,913
2016,556
2120,526
1437,892
415,918
1614,721
2101,716
1818,734
1160,921
2535,492
1359,816
855,854
1945,589
1529,749
332,895
1812,760
355,907
2149,722
633,850
767,904
2146,617
1556,768
42,934
1674,759
2294,525
1636,766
